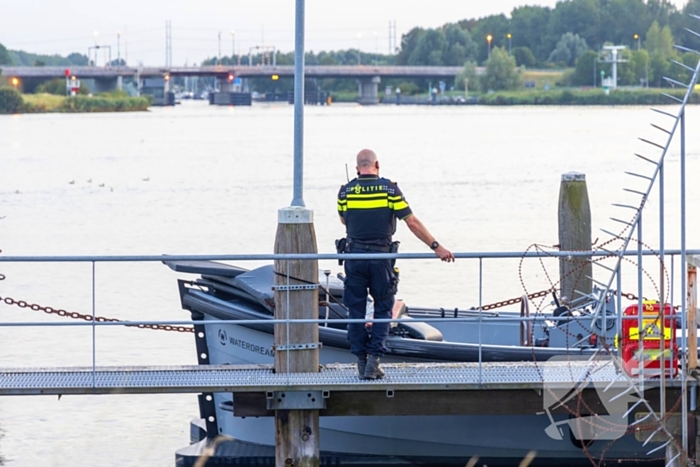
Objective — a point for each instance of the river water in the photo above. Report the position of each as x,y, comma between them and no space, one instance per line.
198,179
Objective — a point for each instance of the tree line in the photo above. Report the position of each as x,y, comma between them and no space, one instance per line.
533,33
570,34
22,58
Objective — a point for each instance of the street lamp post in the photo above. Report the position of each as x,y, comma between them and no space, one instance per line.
233,45
646,70
118,47
636,38
510,37
595,72
96,46
219,47
359,37
488,39
376,48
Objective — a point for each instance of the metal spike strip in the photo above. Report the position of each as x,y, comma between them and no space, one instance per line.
628,236
595,281
626,206
630,190
660,447
686,49
651,142
673,459
646,158
610,252
690,30
683,65
634,174
677,83
660,129
617,378
591,358
623,393
645,196
672,97
651,436
638,422
621,221
663,112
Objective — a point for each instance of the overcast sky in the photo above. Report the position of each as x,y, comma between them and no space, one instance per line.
65,26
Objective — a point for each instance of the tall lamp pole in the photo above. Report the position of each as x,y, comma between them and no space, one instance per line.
488,39
119,34
233,45
359,37
636,37
510,37
96,47
219,47
376,47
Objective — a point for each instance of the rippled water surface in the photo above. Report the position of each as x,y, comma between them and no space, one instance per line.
196,179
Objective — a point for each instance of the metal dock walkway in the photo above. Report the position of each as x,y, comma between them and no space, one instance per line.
332,377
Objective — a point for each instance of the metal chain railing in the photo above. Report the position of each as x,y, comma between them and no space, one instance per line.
513,301
99,319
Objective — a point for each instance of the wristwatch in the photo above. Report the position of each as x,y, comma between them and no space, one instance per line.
434,245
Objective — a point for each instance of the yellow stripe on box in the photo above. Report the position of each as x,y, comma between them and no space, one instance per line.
651,329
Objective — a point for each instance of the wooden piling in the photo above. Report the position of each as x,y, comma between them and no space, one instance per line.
296,431
575,273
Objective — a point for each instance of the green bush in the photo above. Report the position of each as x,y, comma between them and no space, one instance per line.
116,94
409,88
104,104
55,86
10,101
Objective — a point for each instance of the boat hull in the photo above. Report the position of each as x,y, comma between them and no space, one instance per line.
412,438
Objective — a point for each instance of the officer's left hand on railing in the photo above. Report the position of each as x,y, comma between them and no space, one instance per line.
444,254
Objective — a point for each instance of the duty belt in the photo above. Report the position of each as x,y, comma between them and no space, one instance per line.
355,246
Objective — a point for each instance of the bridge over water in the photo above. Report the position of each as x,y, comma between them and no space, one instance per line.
244,71
368,76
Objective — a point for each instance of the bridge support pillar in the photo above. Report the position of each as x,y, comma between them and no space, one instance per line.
224,85
369,90
107,84
120,83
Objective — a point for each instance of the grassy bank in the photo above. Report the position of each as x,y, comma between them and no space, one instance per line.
13,102
585,97
555,96
543,77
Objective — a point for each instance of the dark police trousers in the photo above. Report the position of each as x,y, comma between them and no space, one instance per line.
377,275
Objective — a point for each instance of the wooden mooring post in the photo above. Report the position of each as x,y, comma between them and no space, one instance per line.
574,235
296,345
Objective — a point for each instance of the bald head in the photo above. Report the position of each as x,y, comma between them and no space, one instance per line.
367,162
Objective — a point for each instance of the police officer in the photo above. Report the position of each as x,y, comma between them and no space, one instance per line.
369,206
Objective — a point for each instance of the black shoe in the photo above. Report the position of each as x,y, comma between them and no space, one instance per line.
361,364
373,370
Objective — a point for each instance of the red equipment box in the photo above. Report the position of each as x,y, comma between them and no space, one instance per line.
652,330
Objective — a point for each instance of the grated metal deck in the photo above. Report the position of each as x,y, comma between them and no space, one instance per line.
260,378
